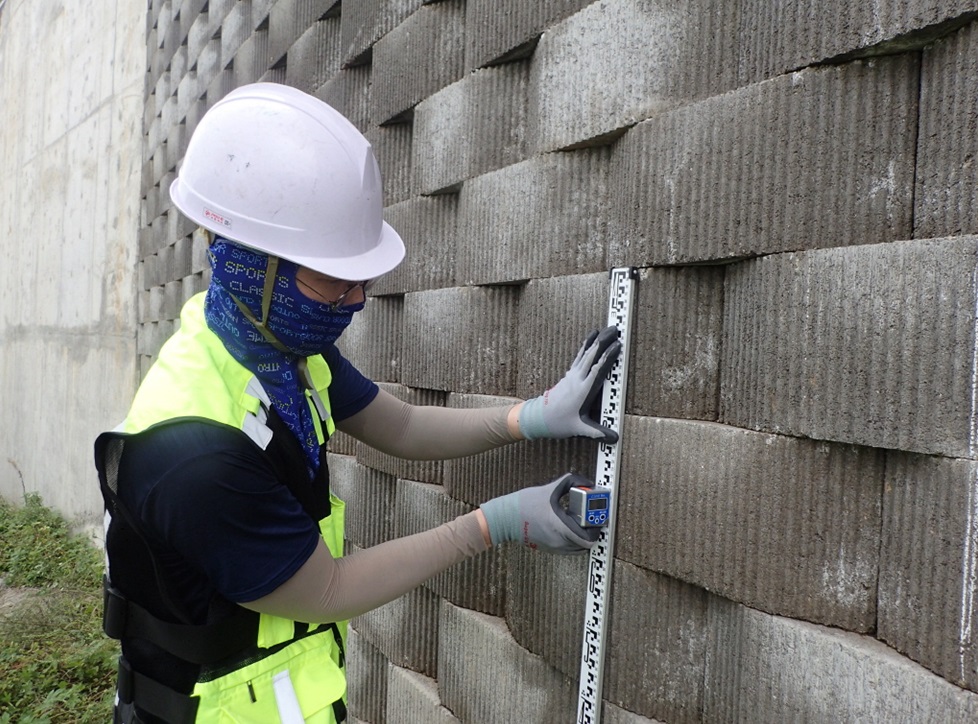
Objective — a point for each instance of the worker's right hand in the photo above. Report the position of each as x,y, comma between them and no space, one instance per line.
534,517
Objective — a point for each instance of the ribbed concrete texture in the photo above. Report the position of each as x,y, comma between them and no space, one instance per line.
543,217
374,342
556,315
618,62
545,597
947,176
485,676
884,358
419,57
786,37
412,698
657,636
678,328
288,20
830,163
405,630
367,21
763,668
476,583
477,478
392,147
367,673
461,339
429,471
488,105
315,55
928,607
348,91
611,714
509,28
369,498
785,525
427,225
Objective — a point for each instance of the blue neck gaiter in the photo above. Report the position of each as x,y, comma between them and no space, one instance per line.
302,325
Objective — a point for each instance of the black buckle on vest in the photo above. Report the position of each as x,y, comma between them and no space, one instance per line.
154,698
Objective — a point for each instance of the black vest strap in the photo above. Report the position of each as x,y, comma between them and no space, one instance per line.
204,644
153,698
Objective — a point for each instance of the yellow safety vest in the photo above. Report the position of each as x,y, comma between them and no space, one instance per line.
195,377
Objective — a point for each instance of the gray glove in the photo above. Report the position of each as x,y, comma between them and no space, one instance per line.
565,409
534,517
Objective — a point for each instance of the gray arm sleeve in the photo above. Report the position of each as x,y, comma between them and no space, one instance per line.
336,589
426,432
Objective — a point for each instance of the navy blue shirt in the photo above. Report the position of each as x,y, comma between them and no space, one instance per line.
209,497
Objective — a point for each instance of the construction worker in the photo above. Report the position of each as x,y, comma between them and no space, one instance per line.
226,583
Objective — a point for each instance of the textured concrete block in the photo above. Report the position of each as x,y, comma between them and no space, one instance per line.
785,525
618,62
367,673
475,583
374,342
676,340
250,60
468,336
405,630
412,698
780,38
428,471
872,345
485,676
314,57
369,498
946,200
427,224
288,20
477,478
392,146
763,668
928,609
509,29
418,57
611,714
540,218
823,157
367,21
471,127
657,637
236,28
545,597
555,317
349,92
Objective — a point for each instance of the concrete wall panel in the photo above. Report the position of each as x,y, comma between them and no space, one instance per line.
501,215
413,699
367,673
785,525
823,157
468,350
372,342
427,225
883,357
480,662
369,496
471,127
768,669
419,57
927,603
947,177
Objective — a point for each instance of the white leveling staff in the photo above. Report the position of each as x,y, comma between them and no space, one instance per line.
598,507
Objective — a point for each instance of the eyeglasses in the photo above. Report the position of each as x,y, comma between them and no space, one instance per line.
335,304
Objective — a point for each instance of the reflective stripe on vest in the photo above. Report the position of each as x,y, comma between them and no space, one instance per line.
195,377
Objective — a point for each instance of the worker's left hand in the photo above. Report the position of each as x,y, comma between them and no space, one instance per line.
565,409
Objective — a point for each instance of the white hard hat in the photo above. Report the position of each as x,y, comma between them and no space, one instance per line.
278,170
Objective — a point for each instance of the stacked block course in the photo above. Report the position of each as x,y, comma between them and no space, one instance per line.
798,520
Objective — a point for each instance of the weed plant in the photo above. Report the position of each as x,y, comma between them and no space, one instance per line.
57,665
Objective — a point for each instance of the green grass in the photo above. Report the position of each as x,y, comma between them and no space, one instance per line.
56,665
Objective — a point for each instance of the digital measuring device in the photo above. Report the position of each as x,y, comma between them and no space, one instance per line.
589,506
620,308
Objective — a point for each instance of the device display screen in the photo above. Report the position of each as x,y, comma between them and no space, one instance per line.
597,503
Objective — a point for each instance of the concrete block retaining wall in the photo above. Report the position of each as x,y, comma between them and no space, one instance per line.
797,530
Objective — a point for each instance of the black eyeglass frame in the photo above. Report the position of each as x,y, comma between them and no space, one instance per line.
335,304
